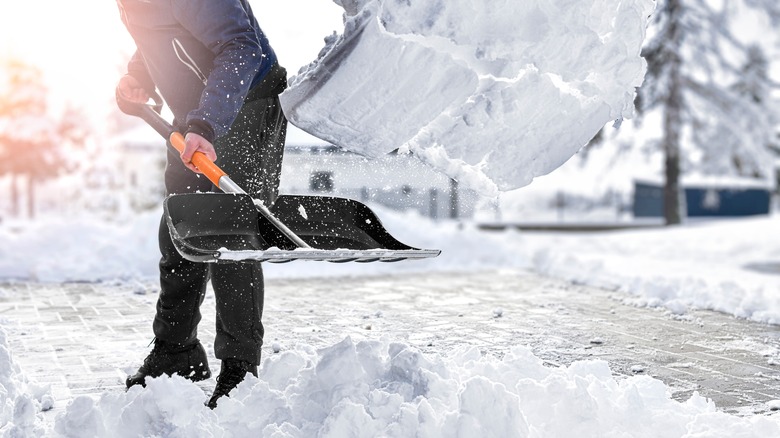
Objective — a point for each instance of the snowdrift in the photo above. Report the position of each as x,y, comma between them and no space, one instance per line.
490,93
370,388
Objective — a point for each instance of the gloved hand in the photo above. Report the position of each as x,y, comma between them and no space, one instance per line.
131,89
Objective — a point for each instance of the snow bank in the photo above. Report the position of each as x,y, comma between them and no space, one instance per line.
81,248
480,90
732,266
373,388
463,248
59,249
21,400
727,265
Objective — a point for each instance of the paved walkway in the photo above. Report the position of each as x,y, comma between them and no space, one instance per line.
84,338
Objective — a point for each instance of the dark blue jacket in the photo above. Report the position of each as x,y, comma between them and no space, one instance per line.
202,55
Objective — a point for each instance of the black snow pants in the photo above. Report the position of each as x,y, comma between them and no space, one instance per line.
251,153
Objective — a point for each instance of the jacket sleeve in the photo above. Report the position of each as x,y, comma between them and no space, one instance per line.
136,68
225,28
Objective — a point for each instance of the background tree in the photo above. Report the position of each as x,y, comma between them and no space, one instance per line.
747,145
34,146
712,90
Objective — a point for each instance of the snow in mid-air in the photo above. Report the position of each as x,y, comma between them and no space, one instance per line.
492,94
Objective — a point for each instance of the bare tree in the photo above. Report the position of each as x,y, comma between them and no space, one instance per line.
696,77
33,145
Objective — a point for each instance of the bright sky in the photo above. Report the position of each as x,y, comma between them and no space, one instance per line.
82,45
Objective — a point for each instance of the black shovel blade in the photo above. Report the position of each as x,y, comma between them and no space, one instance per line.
225,227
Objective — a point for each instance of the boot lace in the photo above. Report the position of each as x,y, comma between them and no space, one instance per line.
230,377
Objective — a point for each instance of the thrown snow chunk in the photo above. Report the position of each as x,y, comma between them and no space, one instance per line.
479,91
597,341
302,212
498,312
773,405
47,402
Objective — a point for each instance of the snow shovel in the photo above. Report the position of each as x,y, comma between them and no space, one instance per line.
231,226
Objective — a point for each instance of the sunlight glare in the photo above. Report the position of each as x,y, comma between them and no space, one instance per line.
82,47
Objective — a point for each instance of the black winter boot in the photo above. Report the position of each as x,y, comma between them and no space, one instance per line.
188,361
232,372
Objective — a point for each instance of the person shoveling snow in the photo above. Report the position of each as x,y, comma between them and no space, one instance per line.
482,92
219,75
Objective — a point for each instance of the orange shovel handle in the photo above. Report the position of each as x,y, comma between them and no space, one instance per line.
150,114
199,159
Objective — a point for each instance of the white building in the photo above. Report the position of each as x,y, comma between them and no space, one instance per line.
402,182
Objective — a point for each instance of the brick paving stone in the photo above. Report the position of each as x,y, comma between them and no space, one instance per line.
83,339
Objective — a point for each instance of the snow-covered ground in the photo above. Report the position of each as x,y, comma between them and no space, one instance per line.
728,265
385,388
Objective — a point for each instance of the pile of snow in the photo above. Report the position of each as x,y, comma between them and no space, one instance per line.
79,248
21,400
480,90
373,388
728,265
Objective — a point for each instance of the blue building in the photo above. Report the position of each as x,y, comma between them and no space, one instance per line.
728,198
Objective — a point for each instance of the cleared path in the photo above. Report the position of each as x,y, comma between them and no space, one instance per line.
84,338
